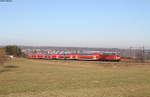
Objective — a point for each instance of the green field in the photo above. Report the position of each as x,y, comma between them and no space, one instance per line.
43,78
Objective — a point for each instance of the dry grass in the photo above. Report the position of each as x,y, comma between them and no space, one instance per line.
43,78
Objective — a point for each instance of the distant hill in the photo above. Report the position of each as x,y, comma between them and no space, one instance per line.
62,48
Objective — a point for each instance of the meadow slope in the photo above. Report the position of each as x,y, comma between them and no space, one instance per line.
43,78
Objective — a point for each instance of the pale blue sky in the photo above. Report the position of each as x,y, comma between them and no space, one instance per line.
86,23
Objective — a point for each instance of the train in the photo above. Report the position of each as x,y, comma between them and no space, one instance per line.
99,57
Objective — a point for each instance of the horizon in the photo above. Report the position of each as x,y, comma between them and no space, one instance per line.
139,47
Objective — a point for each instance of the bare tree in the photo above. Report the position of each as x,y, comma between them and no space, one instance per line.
137,53
140,56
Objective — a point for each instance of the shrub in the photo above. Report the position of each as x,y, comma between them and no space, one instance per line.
3,56
14,50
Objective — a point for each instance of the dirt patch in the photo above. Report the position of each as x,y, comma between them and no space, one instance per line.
10,66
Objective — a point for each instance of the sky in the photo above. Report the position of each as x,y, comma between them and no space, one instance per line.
81,23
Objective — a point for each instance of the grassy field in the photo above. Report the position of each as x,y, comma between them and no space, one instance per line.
43,78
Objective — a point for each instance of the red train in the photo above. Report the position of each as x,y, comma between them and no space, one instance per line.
104,56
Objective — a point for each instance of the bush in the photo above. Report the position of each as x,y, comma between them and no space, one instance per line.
14,50
3,56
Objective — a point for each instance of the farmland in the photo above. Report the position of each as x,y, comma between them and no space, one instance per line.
63,78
